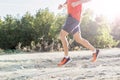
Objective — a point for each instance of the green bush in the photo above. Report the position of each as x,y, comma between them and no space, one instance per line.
41,31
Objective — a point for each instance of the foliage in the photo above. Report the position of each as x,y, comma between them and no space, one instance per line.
40,32
7,33
116,30
97,31
105,39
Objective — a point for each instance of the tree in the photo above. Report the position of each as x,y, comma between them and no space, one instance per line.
56,26
97,31
43,22
26,30
7,35
116,30
0,22
104,38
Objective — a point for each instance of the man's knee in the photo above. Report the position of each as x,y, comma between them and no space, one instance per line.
63,34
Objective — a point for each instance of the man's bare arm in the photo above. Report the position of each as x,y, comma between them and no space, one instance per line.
84,1
79,2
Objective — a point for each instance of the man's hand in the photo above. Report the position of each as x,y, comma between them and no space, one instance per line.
60,6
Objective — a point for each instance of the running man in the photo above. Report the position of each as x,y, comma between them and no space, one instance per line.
71,26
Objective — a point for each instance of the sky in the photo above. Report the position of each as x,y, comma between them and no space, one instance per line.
108,8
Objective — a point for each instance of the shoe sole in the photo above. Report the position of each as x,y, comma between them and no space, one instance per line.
66,63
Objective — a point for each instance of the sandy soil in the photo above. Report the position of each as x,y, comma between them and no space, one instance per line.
43,66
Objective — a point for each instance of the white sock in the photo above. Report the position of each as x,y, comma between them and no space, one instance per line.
94,51
66,56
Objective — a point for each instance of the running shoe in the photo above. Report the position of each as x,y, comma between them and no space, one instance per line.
64,61
95,55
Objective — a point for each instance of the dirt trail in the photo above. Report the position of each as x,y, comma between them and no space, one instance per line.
43,66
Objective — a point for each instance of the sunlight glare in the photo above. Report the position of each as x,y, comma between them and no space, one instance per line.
110,9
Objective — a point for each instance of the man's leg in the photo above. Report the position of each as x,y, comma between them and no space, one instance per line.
80,40
64,41
85,43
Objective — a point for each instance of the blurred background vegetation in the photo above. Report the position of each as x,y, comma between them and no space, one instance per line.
40,32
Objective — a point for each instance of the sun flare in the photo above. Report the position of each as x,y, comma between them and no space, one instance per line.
108,8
